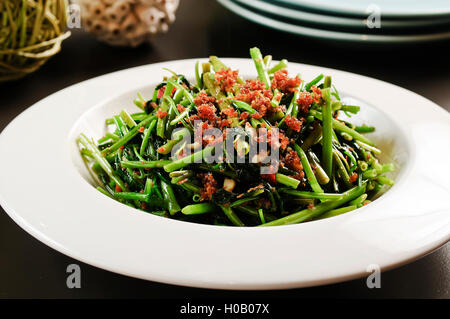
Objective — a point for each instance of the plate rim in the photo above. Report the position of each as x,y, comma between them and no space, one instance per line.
328,34
316,5
342,21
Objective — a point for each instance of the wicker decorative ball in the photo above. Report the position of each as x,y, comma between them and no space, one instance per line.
127,22
31,32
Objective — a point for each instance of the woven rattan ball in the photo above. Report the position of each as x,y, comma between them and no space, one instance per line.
31,32
127,22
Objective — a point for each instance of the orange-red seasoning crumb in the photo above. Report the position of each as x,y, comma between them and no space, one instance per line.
162,90
317,93
284,141
180,108
161,114
293,161
244,116
285,84
269,177
256,116
353,178
230,112
304,102
226,78
203,98
209,186
293,123
207,112
254,93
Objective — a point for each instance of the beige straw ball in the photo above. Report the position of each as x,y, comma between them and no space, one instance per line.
127,22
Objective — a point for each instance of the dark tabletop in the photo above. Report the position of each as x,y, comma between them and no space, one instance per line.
29,269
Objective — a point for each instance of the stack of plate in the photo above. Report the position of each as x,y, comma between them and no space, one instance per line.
396,21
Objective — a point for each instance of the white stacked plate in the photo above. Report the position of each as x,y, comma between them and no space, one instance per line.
395,21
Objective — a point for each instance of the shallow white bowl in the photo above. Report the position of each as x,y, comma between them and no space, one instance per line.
46,189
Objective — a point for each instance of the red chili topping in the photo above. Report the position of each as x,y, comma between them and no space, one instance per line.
293,123
252,85
226,78
269,177
244,116
163,89
293,161
161,114
161,92
256,116
284,141
231,112
353,178
118,189
224,123
261,103
193,118
304,102
203,98
205,107
180,108
207,112
317,93
141,129
285,84
209,186
254,93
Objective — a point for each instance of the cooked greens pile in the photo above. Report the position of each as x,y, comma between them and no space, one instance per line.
326,166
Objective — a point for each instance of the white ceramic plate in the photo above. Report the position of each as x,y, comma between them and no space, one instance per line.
280,9
46,189
389,8
298,29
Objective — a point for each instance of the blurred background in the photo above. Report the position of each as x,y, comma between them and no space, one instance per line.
401,42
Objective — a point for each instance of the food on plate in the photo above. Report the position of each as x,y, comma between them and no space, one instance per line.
264,151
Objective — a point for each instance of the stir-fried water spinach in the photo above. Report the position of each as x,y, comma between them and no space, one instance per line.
326,166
